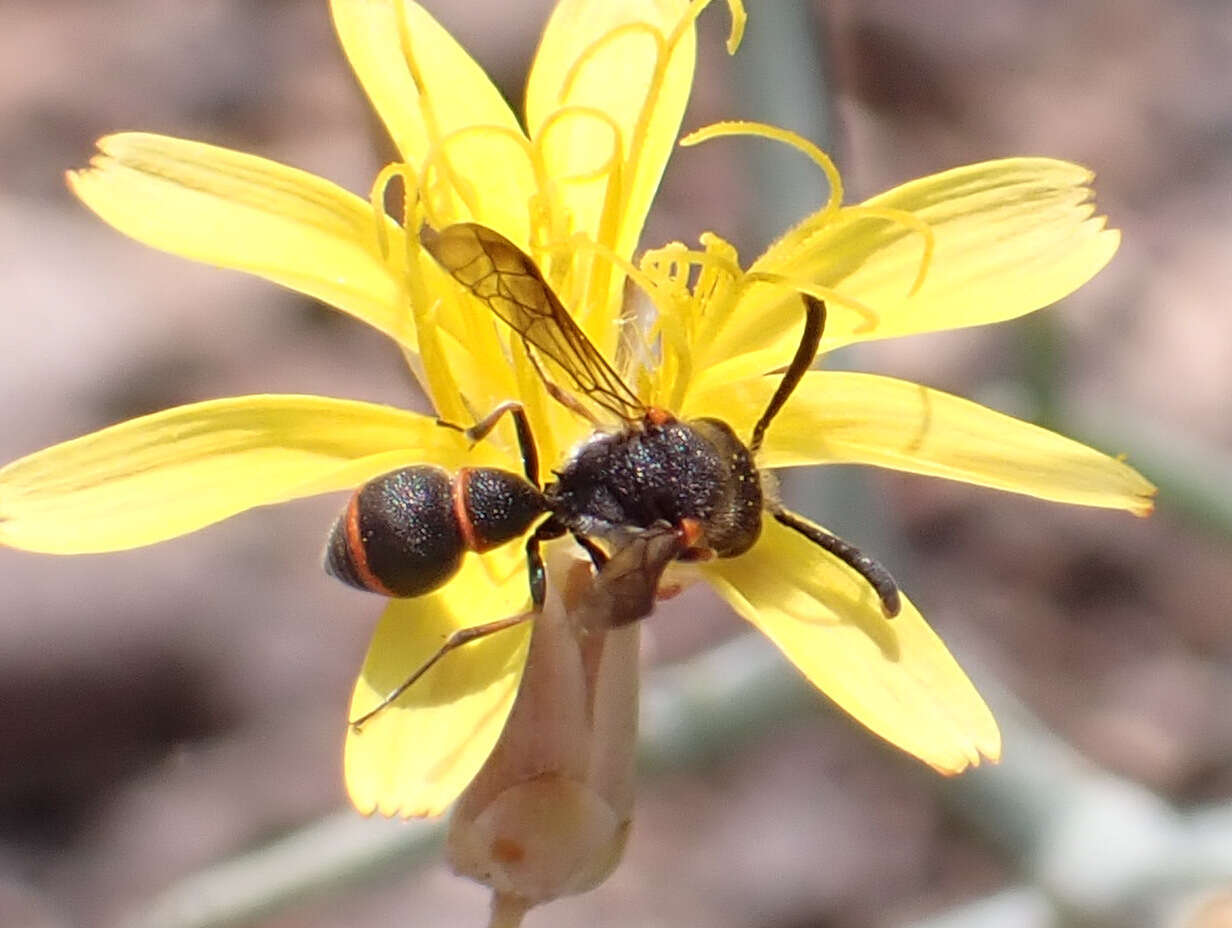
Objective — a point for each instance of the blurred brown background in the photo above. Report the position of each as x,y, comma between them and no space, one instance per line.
164,709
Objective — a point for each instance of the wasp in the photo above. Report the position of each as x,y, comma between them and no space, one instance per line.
656,490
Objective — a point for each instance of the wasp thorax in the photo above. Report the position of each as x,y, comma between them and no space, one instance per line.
665,471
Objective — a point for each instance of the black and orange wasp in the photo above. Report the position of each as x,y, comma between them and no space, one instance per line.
656,490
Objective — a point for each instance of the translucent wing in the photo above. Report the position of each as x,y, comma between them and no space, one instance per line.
503,276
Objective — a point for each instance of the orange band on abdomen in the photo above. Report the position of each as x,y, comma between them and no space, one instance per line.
358,553
457,489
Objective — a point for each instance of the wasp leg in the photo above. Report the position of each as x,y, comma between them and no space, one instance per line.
526,439
598,556
870,569
456,639
806,351
548,529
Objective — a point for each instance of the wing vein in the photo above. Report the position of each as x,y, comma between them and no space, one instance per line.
499,274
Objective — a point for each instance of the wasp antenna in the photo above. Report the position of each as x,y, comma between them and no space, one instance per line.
806,351
869,568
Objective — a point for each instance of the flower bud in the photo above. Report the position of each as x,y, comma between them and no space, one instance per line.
549,813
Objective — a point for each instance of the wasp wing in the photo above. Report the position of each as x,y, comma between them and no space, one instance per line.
500,274
625,588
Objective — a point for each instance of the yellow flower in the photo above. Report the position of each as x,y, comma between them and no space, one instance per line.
605,98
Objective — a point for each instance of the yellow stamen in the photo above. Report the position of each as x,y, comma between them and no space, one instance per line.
665,267
676,366
596,285
717,279
609,166
464,190
719,257
559,223
718,269
608,38
431,362
904,218
738,20
833,208
734,35
669,271
787,137
376,196
580,241
438,157
830,296
610,215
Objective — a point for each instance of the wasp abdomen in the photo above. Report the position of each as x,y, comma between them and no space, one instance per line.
398,535
404,533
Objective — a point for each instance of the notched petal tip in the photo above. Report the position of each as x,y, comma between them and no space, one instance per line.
983,746
240,211
1145,503
395,811
881,421
406,813
78,179
991,753
112,140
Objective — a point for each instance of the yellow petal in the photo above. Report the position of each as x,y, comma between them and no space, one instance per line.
592,60
169,473
242,212
1011,236
417,755
839,417
893,675
435,100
